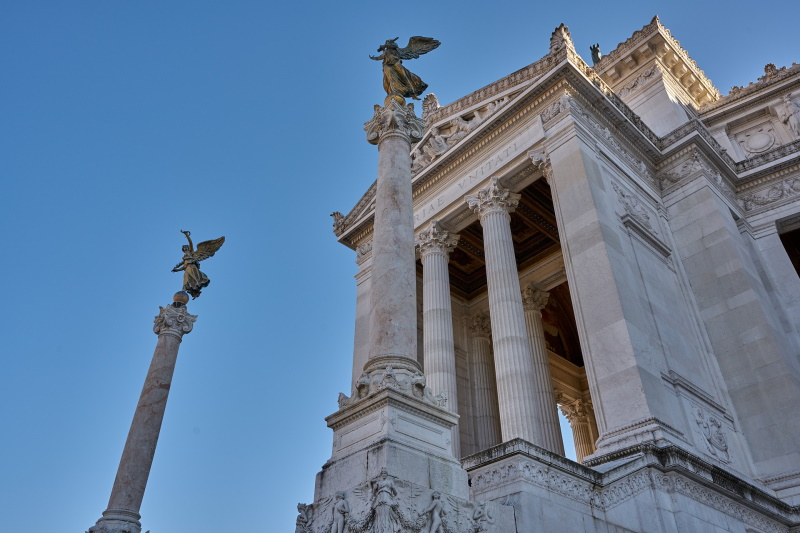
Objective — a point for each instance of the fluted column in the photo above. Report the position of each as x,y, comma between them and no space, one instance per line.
512,351
122,515
533,301
485,412
393,300
434,246
578,413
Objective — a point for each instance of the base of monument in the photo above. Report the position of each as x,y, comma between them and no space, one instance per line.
649,489
117,521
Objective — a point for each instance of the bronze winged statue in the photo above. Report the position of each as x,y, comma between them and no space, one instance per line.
396,78
194,280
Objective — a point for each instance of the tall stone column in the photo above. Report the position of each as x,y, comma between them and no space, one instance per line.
512,352
533,301
435,246
122,515
393,304
578,413
484,386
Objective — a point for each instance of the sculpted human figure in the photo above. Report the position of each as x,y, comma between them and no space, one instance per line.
193,279
435,509
385,505
340,512
396,78
482,517
792,116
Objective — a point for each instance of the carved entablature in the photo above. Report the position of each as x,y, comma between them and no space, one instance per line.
655,46
690,163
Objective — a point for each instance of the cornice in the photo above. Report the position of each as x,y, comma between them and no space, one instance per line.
621,60
772,76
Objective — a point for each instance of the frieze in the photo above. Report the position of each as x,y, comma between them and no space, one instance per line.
388,504
785,189
692,126
639,82
692,166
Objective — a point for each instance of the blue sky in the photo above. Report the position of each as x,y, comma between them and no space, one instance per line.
125,122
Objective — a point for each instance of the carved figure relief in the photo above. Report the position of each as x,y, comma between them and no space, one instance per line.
713,433
446,135
791,115
413,384
340,511
483,517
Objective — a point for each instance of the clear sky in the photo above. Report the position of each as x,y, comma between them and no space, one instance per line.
122,123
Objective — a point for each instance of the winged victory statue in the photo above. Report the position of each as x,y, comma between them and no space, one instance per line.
193,279
397,80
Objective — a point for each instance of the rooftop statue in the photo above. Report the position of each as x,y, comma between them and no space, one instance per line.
596,55
194,280
397,80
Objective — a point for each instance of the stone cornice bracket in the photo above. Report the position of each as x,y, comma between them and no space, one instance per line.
172,320
435,240
561,39
394,119
493,199
541,162
534,299
481,326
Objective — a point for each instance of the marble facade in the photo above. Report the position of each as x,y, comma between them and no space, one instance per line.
618,242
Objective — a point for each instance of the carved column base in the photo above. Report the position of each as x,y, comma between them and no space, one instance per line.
117,521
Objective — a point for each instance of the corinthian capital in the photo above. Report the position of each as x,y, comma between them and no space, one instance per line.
533,299
577,412
481,326
435,240
493,199
394,119
175,321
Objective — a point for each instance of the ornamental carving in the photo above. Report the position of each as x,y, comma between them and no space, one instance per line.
338,223
541,162
493,199
435,240
561,39
387,504
534,299
172,320
399,377
577,411
639,82
394,119
758,139
714,435
481,326
693,165
787,188
446,135
632,207
429,104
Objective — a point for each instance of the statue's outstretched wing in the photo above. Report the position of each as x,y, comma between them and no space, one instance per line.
417,46
208,248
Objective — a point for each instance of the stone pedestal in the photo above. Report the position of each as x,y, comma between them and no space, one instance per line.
435,246
122,515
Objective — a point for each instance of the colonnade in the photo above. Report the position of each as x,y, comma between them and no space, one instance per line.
513,394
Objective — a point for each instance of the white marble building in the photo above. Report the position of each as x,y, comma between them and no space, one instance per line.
619,242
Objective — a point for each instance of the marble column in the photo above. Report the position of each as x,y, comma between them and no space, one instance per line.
578,413
393,303
439,356
486,417
512,352
122,514
533,301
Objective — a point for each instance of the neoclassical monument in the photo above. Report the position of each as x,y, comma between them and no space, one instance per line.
616,241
